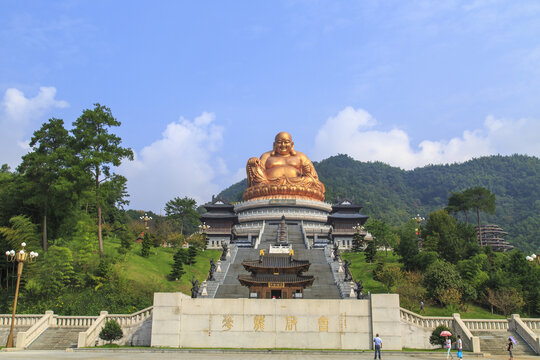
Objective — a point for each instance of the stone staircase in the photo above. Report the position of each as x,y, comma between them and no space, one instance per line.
243,243
323,287
219,277
494,342
57,339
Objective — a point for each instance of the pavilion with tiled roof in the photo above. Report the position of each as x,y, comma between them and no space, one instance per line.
276,276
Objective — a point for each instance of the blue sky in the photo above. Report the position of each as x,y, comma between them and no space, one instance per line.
202,86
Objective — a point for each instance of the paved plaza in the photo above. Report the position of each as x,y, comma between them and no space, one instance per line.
231,355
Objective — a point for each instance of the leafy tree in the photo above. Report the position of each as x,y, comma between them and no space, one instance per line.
507,300
55,273
21,230
45,168
181,209
97,150
408,247
410,290
459,202
424,259
111,331
381,231
441,276
125,236
441,235
177,268
389,275
146,244
437,339
481,199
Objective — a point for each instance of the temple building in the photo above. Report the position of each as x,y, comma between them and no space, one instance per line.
493,236
344,219
276,276
220,219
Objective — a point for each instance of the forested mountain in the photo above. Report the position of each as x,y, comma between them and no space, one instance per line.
396,195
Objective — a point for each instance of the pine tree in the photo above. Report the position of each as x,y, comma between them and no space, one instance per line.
192,253
146,244
370,251
178,265
357,241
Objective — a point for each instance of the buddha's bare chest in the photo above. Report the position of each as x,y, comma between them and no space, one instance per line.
277,161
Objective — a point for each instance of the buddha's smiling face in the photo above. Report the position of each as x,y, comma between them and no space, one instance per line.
283,143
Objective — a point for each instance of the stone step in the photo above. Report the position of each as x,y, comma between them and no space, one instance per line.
494,342
57,339
324,286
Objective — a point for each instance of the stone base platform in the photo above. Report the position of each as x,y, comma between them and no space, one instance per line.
179,321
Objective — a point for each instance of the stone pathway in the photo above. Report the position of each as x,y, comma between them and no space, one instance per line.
135,354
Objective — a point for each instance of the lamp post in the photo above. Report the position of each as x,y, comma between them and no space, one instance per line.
202,230
533,258
20,257
146,219
419,220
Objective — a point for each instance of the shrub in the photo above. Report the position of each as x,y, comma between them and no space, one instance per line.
437,339
111,331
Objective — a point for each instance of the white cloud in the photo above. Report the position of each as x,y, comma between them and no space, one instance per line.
19,117
184,162
353,132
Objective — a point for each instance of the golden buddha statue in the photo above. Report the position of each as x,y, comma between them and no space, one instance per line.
282,173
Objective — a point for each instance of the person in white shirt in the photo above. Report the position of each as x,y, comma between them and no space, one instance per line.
459,347
378,345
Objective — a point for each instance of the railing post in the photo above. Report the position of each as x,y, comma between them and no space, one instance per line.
472,342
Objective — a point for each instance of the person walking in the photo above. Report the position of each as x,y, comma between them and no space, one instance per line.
459,347
509,348
378,345
421,306
448,344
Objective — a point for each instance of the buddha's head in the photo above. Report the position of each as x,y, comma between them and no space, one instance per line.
283,144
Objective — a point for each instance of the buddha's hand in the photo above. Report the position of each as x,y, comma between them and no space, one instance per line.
254,162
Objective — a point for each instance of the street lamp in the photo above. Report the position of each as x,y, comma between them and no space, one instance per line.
533,258
20,257
419,220
146,219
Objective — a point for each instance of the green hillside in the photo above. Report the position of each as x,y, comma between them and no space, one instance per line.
397,195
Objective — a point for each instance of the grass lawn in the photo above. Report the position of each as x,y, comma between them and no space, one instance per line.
362,270
155,268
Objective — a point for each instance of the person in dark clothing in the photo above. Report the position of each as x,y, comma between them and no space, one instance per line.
509,348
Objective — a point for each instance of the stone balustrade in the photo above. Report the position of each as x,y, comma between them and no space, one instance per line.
24,338
525,332
486,324
20,320
430,322
74,321
90,336
533,324
128,320
243,205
